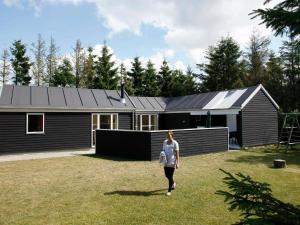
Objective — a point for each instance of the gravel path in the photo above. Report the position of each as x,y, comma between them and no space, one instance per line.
44,155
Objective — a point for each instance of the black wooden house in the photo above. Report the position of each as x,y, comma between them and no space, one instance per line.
54,118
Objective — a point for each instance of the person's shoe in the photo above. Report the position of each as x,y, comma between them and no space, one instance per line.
174,186
168,193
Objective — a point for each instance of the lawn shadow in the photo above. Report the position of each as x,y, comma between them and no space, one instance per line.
267,157
137,193
112,158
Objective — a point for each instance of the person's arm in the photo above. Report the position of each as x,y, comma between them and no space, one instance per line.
177,155
177,159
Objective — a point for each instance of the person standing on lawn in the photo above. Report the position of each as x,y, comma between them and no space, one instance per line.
171,149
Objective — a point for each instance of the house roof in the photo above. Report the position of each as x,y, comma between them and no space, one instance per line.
57,98
61,98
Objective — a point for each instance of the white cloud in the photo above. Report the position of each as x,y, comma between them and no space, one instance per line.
179,65
11,2
191,26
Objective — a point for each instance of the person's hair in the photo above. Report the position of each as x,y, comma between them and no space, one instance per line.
170,132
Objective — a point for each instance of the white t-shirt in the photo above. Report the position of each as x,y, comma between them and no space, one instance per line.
169,150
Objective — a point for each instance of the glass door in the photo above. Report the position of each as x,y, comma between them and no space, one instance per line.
103,121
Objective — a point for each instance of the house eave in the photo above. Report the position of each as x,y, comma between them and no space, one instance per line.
62,109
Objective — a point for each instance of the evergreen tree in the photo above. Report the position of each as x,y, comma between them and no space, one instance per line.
256,57
4,67
63,75
106,72
256,202
189,84
51,62
39,65
177,83
137,75
223,68
274,80
282,18
78,58
151,87
290,54
165,79
89,73
20,63
126,80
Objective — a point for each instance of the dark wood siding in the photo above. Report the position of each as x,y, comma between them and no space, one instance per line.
148,145
126,144
125,121
259,121
174,121
62,131
192,142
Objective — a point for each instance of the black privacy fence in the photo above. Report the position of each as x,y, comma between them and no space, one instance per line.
146,145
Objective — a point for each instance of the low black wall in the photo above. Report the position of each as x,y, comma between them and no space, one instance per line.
146,145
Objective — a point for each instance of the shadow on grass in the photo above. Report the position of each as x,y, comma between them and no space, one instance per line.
267,157
137,193
112,158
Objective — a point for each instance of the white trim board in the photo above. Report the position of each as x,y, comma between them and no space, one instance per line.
1,87
259,87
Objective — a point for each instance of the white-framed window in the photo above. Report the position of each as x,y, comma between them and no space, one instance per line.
35,123
103,121
146,122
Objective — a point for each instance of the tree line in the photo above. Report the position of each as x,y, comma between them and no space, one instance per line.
226,65
86,70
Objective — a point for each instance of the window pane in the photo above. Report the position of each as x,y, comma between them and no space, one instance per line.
154,122
145,122
95,122
35,123
115,121
105,122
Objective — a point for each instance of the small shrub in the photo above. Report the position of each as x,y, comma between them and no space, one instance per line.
256,202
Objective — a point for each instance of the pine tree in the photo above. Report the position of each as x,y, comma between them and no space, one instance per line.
126,80
39,65
223,68
189,83
290,54
282,18
51,61
274,80
5,67
137,75
106,72
89,73
256,57
165,79
177,83
20,63
151,87
78,62
63,75
256,202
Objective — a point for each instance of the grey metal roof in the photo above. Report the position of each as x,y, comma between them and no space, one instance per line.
196,101
56,97
244,96
76,98
148,103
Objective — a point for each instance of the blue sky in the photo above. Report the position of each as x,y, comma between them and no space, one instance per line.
179,31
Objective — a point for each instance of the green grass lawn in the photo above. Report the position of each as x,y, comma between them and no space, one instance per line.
91,190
